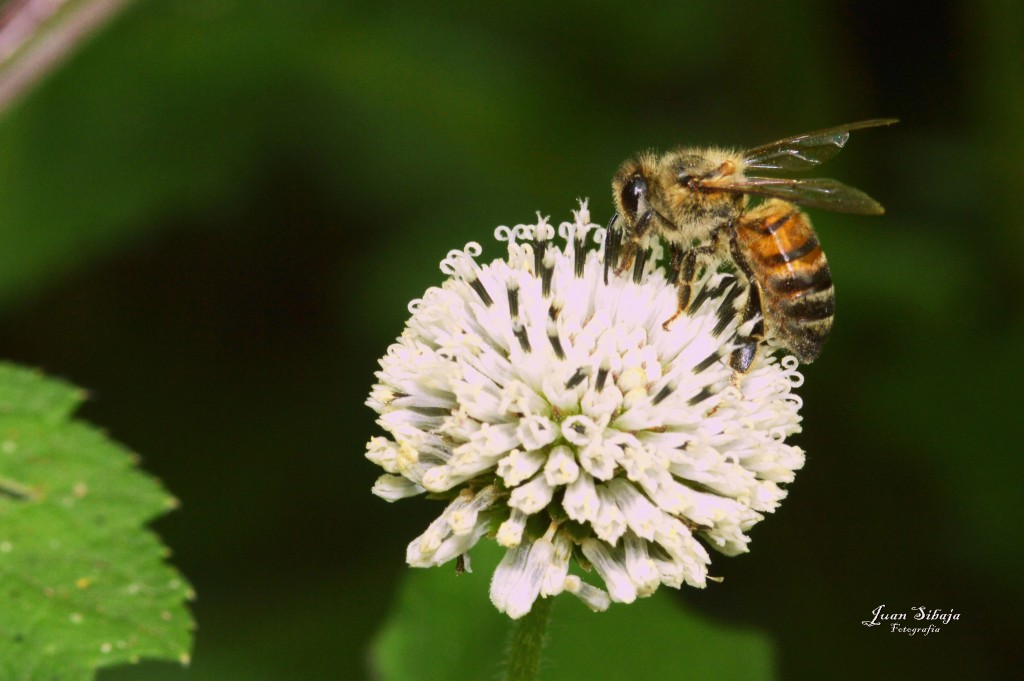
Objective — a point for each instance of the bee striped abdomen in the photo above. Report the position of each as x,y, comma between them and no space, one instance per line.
784,255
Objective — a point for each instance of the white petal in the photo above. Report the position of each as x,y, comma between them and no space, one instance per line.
612,570
422,548
561,467
580,501
600,459
581,430
536,431
496,439
510,532
594,598
519,466
454,545
395,487
639,565
444,478
642,516
518,397
518,578
558,570
610,523
464,519
533,496
384,453
508,572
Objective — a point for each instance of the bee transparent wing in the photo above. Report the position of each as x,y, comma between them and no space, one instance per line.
807,150
816,192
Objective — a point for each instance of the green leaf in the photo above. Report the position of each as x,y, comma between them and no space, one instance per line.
443,626
83,584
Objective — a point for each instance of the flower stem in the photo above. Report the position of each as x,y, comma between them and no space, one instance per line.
527,642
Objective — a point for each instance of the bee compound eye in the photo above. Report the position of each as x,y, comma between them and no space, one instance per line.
632,193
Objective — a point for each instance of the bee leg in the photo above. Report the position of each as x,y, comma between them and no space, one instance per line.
687,271
675,263
628,253
743,356
641,262
639,232
633,245
612,244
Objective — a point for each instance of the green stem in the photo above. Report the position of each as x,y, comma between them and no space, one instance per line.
527,642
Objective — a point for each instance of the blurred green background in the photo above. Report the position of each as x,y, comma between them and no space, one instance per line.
214,216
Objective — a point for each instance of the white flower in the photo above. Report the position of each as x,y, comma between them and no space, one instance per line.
555,413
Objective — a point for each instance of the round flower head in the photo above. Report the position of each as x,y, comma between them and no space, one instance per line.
542,399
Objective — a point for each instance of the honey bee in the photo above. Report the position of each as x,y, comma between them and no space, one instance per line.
696,200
